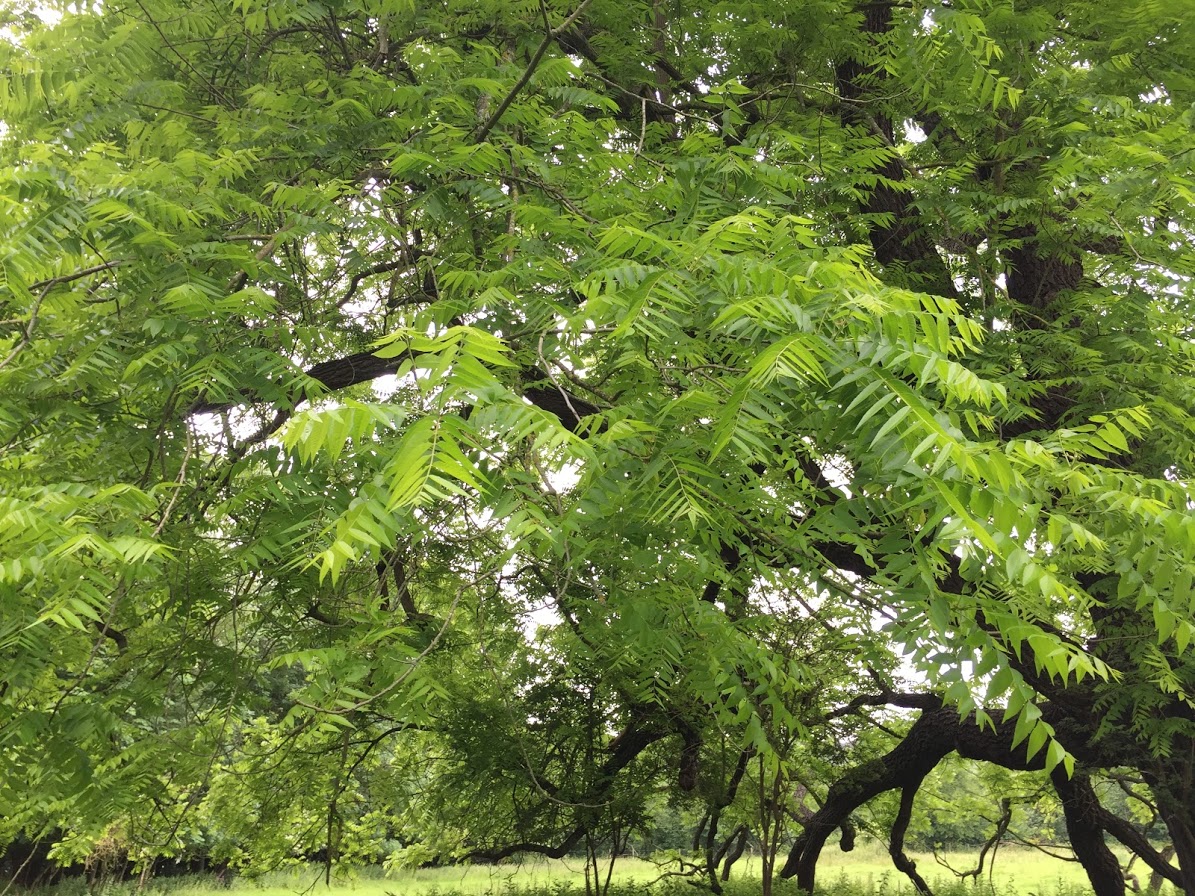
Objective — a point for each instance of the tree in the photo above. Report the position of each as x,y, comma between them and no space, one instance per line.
683,309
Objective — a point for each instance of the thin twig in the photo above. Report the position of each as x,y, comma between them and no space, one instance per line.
78,275
182,473
555,382
45,286
642,126
551,35
414,664
27,336
554,194
29,858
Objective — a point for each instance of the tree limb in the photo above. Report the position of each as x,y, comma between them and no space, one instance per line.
483,131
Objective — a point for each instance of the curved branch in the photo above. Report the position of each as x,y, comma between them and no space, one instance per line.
493,856
624,749
930,739
936,733
408,258
896,840
989,845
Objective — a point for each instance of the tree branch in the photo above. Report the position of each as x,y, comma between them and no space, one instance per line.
896,840
1136,841
483,131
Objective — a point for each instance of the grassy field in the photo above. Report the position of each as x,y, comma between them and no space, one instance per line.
865,872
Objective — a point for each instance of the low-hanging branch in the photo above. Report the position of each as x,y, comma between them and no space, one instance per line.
936,733
624,749
989,845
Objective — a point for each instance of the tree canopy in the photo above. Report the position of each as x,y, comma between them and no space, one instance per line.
446,422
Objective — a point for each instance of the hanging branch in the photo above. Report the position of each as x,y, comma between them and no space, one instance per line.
989,845
896,841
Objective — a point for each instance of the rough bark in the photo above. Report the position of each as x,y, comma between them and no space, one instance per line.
936,733
1082,810
1040,275
1179,817
1138,843
624,749
690,758
712,856
734,848
1157,878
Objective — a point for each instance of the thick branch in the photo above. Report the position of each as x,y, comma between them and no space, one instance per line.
935,734
624,749
363,367
896,841
559,851
1132,838
930,739
908,700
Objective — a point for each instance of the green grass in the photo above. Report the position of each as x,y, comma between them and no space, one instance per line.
867,871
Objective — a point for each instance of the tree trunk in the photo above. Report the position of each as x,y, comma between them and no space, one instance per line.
1082,810
737,844
1156,879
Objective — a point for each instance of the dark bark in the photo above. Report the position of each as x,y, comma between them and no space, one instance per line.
558,851
1083,813
1036,279
935,734
896,840
1157,878
712,855
699,831
1179,817
624,749
567,408
690,758
734,847
899,240
1040,273
988,845
1136,841
401,598
930,739
338,373
364,367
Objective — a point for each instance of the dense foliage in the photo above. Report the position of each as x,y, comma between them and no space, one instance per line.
465,425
